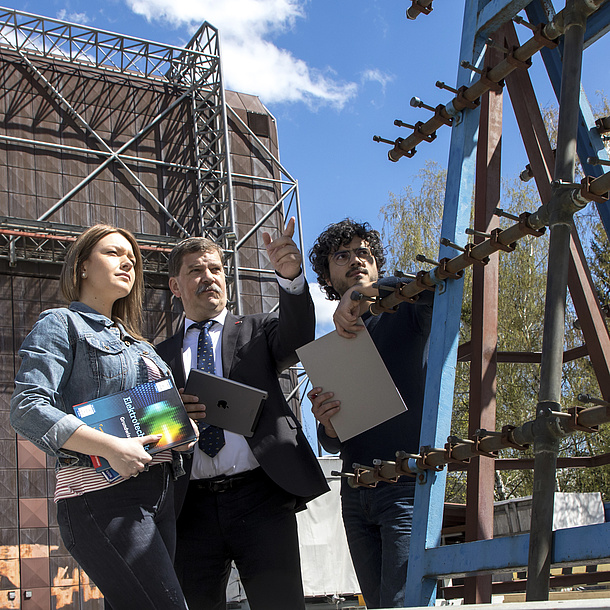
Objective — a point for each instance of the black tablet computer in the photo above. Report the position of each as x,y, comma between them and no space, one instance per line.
228,404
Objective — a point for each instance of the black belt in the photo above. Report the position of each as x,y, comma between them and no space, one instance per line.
223,483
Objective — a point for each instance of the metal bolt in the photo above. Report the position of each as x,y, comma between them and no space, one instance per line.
450,244
502,214
399,123
469,66
420,258
441,85
477,233
522,21
417,103
380,139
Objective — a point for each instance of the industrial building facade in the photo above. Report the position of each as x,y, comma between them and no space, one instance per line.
101,128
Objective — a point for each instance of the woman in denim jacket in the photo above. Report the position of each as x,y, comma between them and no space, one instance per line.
121,532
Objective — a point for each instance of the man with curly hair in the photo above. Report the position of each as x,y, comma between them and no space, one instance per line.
346,257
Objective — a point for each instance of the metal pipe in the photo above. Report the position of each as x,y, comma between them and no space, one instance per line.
487,444
546,444
546,448
518,58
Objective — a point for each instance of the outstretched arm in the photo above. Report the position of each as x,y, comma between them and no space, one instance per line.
283,253
347,315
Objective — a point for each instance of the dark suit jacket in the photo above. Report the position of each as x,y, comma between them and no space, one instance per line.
255,350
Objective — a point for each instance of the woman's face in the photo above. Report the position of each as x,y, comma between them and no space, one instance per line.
108,274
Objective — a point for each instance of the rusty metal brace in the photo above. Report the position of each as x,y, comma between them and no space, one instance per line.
492,85
467,255
452,442
439,116
463,102
507,438
425,137
526,229
419,281
517,63
378,465
402,456
585,191
574,412
542,39
376,307
409,153
357,482
399,295
478,437
424,451
443,274
498,245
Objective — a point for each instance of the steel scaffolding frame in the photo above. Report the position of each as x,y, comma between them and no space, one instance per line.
475,117
194,72
428,560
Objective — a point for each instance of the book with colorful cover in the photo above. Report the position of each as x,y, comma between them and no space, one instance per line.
150,408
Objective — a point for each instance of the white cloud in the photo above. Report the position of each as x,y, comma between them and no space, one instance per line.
252,63
378,76
81,18
324,310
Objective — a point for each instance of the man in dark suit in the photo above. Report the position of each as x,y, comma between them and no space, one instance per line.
241,499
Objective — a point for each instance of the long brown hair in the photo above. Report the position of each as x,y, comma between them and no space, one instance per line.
126,310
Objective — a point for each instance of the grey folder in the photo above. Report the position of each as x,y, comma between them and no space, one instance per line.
353,370
228,404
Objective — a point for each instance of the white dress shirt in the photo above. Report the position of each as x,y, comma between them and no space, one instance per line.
236,455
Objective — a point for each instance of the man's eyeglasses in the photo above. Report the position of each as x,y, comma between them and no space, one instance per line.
343,257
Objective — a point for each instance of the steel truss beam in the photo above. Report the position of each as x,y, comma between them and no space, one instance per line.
428,560
47,242
194,72
60,41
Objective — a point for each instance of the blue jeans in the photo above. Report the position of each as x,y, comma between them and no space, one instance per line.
378,527
124,538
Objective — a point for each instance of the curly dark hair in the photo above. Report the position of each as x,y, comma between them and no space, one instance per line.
335,236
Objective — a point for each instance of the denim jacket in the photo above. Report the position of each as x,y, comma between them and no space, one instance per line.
71,356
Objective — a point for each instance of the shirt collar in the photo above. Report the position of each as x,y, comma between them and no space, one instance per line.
220,319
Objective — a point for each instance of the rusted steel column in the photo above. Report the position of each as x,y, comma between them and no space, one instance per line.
541,158
590,316
484,332
531,124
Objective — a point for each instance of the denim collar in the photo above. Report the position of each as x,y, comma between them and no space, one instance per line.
90,314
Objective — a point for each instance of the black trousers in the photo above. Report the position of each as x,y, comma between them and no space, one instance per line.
250,521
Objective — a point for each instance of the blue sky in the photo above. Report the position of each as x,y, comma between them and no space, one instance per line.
334,73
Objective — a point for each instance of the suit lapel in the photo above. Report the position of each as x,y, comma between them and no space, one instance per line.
176,362
230,333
